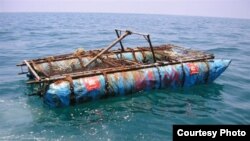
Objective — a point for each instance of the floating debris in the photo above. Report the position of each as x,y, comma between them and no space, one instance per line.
82,76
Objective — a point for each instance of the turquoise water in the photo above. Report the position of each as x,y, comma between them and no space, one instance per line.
143,116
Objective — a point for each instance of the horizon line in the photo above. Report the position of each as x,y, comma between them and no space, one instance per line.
136,13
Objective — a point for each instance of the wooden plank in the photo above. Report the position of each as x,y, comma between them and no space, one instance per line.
32,70
39,69
107,48
87,53
118,69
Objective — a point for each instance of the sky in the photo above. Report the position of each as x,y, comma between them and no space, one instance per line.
208,8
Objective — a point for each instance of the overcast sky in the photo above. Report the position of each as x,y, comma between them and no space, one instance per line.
214,8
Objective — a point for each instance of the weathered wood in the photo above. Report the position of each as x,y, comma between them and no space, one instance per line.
138,33
112,65
32,70
107,48
38,68
87,54
117,69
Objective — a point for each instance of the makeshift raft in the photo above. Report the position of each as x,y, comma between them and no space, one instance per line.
88,75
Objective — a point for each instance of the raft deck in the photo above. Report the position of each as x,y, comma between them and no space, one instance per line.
103,61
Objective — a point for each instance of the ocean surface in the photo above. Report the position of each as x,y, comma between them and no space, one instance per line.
142,116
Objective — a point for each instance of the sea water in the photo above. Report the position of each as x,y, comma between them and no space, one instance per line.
141,116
